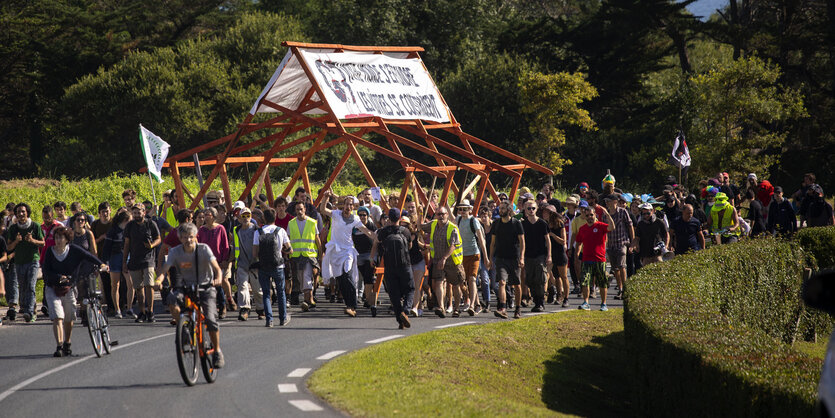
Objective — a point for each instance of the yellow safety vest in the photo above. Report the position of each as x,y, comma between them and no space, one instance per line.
727,220
304,243
170,218
458,253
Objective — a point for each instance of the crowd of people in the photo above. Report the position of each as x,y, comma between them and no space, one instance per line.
447,259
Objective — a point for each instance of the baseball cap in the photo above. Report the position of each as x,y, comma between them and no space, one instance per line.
584,204
246,210
647,206
552,208
752,176
527,196
583,184
778,189
239,205
571,200
394,214
362,209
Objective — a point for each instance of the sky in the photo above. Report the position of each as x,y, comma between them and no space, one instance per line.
705,8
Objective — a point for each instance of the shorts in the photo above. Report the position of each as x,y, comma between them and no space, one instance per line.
115,263
418,271
366,271
141,278
227,271
452,273
60,307
535,271
470,264
208,304
617,257
595,272
303,270
507,271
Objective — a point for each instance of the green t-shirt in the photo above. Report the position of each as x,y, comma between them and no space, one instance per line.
25,252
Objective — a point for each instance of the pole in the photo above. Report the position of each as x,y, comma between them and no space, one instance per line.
153,193
200,177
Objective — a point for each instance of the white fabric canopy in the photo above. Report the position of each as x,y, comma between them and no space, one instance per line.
356,84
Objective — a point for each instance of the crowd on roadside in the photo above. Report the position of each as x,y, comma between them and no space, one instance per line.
450,260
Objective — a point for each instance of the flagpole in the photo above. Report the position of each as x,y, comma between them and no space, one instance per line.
153,193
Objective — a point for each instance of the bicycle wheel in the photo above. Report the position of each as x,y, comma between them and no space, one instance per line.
93,329
104,328
209,370
187,352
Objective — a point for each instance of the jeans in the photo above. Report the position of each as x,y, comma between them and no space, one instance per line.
276,275
401,288
27,278
483,278
12,287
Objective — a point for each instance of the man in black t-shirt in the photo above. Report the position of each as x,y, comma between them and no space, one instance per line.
537,256
141,238
648,234
363,245
397,268
507,251
687,232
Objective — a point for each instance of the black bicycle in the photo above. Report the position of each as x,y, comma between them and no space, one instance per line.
97,325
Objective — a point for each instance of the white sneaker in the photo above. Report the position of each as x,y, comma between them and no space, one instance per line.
449,309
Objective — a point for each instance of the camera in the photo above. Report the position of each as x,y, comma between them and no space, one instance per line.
659,249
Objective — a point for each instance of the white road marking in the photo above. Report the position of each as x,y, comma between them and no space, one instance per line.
330,355
457,324
298,373
40,376
379,340
287,388
305,405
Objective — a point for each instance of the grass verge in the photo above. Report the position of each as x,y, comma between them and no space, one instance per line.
569,363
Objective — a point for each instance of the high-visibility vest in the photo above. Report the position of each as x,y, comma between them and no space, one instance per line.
727,220
236,245
170,218
304,243
458,253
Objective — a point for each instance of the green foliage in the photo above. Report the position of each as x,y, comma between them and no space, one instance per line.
819,246
190,94
738,115
711,333
551,102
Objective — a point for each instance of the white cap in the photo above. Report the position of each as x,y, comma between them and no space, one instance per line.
238,205
752,176
647,206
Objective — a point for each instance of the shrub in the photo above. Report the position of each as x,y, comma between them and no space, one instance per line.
710,333
819,245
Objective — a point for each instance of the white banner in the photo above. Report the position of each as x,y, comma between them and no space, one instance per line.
359,85
155,151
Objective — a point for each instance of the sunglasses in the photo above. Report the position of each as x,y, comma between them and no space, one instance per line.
246,215
363,214
530,208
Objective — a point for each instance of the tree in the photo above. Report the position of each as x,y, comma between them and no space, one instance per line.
551,102
740,112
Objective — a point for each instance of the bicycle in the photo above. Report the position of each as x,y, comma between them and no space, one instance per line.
191,340
97,325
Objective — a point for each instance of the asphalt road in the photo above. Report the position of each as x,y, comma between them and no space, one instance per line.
265,374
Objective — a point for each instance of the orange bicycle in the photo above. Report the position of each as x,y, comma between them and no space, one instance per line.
193,344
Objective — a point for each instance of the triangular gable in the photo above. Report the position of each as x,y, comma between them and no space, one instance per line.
356,84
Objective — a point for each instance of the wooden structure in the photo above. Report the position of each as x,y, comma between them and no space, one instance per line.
314,113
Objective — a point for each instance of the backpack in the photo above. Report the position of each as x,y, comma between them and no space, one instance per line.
269,252
472,224
396,248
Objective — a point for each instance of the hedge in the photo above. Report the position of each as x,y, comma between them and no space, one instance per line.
710,333
819,245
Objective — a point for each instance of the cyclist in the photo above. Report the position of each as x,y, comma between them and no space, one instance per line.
60,262
195,265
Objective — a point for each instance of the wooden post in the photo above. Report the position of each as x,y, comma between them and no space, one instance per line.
269,186
178,184
306,181
227,193
333,175
303,163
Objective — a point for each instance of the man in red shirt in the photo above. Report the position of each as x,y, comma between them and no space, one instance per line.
592,237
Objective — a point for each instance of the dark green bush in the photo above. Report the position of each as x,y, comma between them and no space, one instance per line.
819,245
710,333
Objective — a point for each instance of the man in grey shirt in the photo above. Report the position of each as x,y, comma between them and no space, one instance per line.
195,264
246,279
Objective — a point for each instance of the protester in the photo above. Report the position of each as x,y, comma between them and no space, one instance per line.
141,237
559,259
537,255
687,232
815,210
25,238
304,239
365,266
618,240
112,251
473,246
650,234
247,278
393,240
268,244
214,235
724,222
781,219
507,251
592,237
447,258
60,211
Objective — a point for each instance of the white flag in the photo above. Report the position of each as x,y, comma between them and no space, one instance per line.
680,157
155,151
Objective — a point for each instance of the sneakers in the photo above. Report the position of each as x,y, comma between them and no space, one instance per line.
500,314
517,313
373,311
130,314
565,303
350,312
27,317
414,312
58,352
449,309
305,307
243,315
221,312
65,349
140,318
150,317
584,306
603,307
619,296
284,322
45,311
260,313
217,359
269,323
117,315
537,308
11,314
524,303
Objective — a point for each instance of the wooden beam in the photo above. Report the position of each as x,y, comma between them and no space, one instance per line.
353,150
178,185
303,163
227,193
333,175
238,160
353,47
261,167
269,186
498,150
306,180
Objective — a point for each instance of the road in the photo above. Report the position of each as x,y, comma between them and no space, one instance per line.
265,374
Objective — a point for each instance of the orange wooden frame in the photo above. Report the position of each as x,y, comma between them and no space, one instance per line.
449,157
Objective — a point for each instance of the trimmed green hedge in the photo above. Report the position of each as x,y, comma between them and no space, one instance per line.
710,333
819,244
